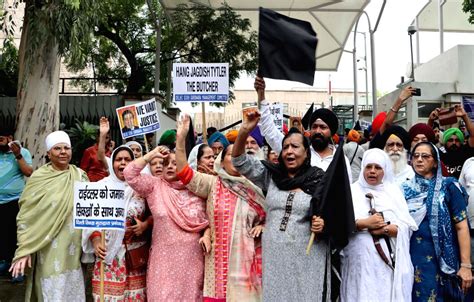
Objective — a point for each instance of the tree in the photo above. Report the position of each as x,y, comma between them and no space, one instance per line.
202,34
468,8
50,29
125,49
8,68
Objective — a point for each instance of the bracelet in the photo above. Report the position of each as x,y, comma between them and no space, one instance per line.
466,265
393,110
385,230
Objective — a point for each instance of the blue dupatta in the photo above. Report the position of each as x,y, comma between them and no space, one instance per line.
428,197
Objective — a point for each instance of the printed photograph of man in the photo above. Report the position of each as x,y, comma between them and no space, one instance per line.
128,119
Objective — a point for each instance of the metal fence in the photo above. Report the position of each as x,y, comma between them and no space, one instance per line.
72,108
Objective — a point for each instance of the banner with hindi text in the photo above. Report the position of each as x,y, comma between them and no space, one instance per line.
99,205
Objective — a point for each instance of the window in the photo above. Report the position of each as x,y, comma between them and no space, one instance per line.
424,109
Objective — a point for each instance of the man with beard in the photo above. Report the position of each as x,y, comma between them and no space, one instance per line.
397,143
15,164
323,125
457,152
254,143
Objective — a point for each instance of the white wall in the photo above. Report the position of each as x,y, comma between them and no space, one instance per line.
456,65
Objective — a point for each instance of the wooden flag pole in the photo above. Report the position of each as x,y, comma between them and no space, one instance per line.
310,243
204,134
146,144
102,239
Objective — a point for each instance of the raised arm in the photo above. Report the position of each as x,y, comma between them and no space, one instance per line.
248,124
181,132
249,165
404,95
197,182
104,128
141,183
267,126
460,112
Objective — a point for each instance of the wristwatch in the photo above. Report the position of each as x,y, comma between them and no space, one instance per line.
19,156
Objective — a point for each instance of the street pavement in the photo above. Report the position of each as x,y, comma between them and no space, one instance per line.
10,292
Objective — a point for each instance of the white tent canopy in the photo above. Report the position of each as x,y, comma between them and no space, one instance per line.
332,20
453,18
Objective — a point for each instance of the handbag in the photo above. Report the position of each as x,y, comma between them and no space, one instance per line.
137,259
452,290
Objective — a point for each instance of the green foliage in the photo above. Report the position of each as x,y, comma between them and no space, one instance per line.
468,8
202,34
83,135
125,42
68,23
8,68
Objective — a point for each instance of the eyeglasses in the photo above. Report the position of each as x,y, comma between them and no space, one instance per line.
398,145
424,156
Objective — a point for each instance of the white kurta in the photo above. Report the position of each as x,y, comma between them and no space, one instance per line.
275,137
365,276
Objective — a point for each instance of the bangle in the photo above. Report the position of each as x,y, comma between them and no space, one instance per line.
19,156
466,265
393,110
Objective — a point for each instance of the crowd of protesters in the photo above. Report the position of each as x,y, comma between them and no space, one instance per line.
229,219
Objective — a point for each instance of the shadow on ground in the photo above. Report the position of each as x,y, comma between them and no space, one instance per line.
10,292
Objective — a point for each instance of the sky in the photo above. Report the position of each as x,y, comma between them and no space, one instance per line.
392,51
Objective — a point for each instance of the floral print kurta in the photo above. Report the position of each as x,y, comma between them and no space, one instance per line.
121,283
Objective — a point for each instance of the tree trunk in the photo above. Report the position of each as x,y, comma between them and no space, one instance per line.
37,110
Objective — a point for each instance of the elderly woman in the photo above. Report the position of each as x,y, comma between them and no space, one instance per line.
47,241
123,282
365,274
288,273
136,148
201,158
234,208
176,263
440,249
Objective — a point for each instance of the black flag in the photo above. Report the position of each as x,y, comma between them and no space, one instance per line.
307,117
333,202
287,48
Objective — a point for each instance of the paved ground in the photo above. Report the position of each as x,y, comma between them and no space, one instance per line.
11,292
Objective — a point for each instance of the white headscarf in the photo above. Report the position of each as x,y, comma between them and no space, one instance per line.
130,143
57,137
192,158
387,195
388,199
114,237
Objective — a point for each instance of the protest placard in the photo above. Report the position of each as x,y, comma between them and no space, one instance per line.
468,104
201,82
99,205
276,110
138,119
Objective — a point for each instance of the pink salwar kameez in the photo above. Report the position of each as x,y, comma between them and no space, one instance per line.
176,264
